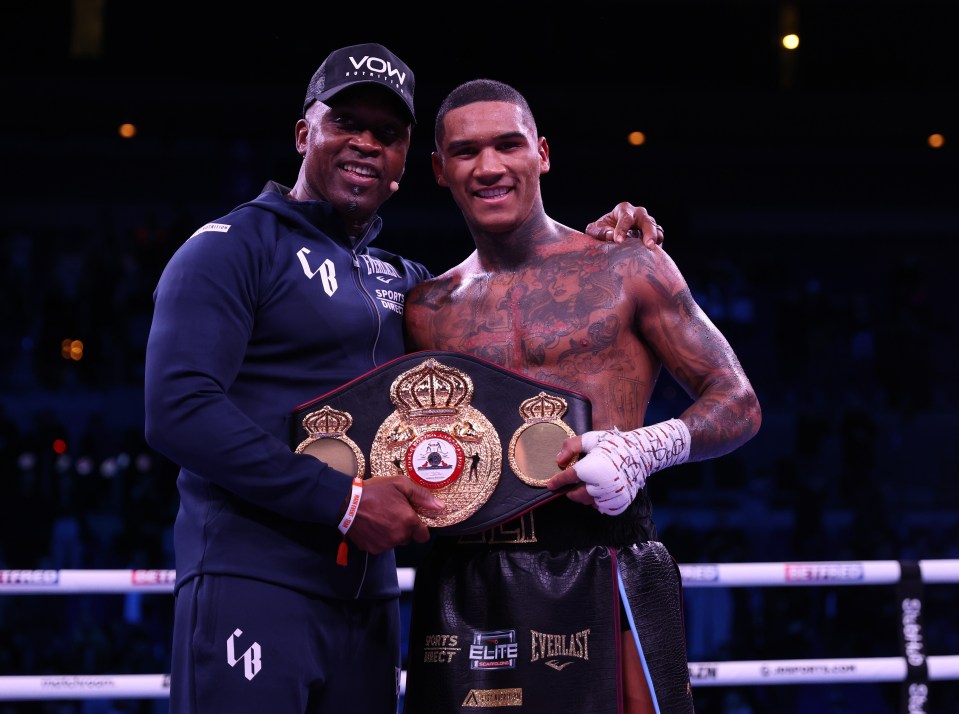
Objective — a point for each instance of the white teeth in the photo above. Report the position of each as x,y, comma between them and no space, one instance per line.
493,193
361,170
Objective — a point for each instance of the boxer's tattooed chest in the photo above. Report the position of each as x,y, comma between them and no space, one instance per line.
564,309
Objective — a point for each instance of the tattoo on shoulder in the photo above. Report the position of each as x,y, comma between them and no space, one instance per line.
430,293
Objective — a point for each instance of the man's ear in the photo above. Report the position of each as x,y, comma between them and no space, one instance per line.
543,156
438,169
300,132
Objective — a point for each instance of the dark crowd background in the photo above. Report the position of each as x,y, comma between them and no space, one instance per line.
799,196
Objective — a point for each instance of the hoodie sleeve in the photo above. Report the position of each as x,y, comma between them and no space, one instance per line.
204,309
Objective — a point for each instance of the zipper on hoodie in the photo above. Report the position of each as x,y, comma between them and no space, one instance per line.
358,277
370,302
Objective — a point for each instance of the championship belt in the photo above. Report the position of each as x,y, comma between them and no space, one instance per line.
484,439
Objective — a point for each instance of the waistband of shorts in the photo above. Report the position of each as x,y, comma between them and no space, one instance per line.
562,524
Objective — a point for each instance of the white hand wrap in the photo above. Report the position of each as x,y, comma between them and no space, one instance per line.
617,462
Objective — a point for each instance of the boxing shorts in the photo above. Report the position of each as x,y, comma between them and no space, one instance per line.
537,630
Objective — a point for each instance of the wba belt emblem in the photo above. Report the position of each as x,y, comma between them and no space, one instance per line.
436,438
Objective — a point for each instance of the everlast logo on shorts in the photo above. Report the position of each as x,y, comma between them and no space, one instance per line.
545,645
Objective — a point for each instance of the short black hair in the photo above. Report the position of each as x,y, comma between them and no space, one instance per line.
480,90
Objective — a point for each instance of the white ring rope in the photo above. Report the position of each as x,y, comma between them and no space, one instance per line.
816,671
696,575
702,674
67,582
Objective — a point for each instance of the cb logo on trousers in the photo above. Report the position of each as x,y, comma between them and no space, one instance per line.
251,658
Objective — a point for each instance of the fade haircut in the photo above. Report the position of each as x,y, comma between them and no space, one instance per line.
480,90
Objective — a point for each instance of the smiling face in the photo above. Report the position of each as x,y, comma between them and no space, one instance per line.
353,147
491,160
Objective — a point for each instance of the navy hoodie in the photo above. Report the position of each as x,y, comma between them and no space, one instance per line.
255,314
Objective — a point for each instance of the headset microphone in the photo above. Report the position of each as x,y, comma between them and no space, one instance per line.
394,186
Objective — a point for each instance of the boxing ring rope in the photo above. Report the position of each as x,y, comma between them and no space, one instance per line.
698,575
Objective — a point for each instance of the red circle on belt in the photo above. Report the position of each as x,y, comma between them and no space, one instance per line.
435,459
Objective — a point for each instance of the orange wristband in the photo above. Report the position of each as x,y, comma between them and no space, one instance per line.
355,495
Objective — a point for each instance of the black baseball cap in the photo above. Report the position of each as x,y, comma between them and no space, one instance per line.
361,64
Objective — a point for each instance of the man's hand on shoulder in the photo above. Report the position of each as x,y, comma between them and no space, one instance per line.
627,220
